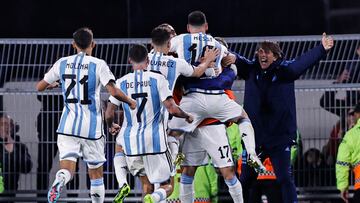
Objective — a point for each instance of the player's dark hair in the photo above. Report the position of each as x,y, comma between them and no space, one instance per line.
270,46
168,27
83,37
196,18
160,36
138,53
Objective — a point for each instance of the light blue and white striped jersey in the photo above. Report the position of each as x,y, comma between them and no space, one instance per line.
143,130
170,67
81,77
191,47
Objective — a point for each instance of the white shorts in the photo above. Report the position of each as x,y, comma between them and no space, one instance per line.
210,140
135,165
203,106
156,167
92,151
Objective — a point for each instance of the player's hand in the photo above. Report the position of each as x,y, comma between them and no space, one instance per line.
227,60
345,195
189,118
53,85
114,129
211,54
327,41
132,104
212,65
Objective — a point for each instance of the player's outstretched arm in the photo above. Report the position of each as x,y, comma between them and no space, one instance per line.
295,68
209,56
119,95
176,111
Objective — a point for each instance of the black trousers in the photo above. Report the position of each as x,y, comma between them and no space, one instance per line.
280,159
270,188
356,198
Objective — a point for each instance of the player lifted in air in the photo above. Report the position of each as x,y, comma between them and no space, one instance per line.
204,103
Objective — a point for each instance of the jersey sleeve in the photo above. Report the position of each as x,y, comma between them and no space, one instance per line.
53,74
105,74
175,43
185,68
223,52
164,91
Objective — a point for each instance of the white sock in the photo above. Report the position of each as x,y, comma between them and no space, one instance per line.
120,168
235,189
159,195
97,190
248,135
174,147
62,175
157,186
186,189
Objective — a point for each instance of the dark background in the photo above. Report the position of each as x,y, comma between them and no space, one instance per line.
136,18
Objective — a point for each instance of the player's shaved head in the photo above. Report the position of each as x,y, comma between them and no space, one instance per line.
160,36
196,18
83,37
138,53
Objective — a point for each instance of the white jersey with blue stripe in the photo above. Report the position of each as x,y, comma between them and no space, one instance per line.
191,47
170,67
143,130
81,77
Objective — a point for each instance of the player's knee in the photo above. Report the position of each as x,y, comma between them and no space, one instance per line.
189,171
175,133
118,148
168,185
95,171
228,172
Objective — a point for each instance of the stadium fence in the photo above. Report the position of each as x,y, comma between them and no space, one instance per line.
24,61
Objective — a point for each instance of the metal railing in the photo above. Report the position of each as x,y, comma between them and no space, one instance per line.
24,61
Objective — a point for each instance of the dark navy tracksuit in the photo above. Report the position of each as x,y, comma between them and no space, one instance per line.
270,103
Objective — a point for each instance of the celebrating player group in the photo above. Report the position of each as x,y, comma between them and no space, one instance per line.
176,105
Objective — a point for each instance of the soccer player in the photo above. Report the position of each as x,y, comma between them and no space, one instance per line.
171,68
81,128
202,101
143,136
209,139
191,46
